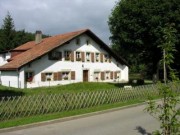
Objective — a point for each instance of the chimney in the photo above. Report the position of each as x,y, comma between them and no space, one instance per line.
38,37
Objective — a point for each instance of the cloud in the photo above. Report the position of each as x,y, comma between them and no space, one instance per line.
60,16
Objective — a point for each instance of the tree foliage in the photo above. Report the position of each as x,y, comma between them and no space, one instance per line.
136,27
7,33
167,112
10,38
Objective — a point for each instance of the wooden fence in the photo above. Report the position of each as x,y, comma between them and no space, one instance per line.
22,106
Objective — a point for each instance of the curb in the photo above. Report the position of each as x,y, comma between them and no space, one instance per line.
10,129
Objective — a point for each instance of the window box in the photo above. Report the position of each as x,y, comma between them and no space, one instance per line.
30,79
65,78
48,79
68,58
78,59
29,76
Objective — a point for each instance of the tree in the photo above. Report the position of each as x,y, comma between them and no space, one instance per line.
136,26
168,49
10,38
167,112
7,34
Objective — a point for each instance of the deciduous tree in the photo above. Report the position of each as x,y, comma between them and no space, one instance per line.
136,26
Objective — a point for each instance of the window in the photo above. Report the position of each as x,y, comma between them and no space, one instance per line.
65,75
48,76
78,41
97,57
106,57
118,74
96,76
88,56
29,76
67,55
55,55
107,75
78,56
88,42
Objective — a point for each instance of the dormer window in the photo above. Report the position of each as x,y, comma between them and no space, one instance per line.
55,55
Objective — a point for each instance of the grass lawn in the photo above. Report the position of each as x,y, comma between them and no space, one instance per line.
46,117
75,87
71,88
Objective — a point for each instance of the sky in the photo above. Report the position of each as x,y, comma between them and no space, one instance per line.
54,17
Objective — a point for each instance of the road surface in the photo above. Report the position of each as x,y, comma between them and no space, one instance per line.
129,121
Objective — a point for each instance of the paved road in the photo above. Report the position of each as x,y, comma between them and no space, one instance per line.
130,121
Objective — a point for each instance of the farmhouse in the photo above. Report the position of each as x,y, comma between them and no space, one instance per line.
78,56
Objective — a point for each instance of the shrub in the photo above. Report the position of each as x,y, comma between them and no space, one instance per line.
140,81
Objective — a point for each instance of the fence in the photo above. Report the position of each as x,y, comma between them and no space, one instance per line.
22,106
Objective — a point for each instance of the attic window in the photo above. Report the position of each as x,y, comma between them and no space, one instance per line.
55,55
77,41
88,42
106,57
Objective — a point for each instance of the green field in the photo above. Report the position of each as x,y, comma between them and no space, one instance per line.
70,88
45,103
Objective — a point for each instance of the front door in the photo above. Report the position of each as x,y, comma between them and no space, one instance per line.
85,75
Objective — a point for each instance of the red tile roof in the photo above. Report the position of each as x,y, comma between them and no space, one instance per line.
25,46
35,51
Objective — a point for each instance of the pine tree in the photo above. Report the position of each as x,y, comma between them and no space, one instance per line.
7,34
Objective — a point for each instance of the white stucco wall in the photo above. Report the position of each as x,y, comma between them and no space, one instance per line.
9,78
4,57
45,65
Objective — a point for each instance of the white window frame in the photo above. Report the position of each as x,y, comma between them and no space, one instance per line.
96,75
107,75
49,76
88,57
66,75
78,56
97,56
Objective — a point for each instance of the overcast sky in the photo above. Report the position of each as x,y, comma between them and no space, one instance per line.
59,16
